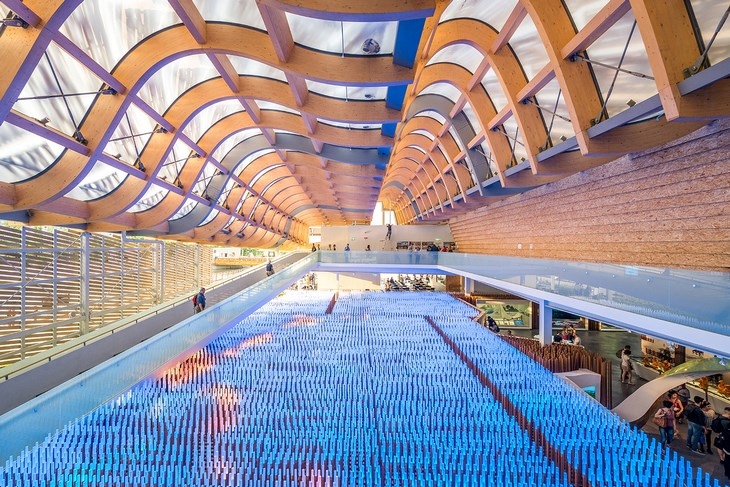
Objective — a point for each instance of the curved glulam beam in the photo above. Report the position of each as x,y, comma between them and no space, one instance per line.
582,96
173,43
508,71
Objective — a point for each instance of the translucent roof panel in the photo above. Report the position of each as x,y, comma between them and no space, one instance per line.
515,139
343,37
214,213
175,161
484,149
161,90
131,135
443,89
108,29
23,154
267,105
251,67
230,142
461,54
431,114
348,92
582,11
472,117
494,89
607,50
424,133
531,54
492,13
101,180
709,14
186,208
243,12
150,199
4,11
555,111
209,116
41,97
249,159
359,126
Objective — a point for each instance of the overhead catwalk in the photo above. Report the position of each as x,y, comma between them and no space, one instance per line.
373,393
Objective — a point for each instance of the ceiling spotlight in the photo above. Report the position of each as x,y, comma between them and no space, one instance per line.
723,361
44,121
631,103
563,138
370,46
117,156
369,96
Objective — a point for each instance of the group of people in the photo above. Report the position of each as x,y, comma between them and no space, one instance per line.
702,421
567,335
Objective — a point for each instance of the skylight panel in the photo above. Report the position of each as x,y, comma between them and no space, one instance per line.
150,199
252,67
23,155
173,79
60,90
108,29
491,13
353,38
243,12
230,142
462,54
209,116
101,180
131,135
530,51
443,89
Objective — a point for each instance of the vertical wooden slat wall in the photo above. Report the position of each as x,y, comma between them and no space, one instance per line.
41,283
669,207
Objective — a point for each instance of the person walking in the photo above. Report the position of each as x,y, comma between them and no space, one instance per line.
199,304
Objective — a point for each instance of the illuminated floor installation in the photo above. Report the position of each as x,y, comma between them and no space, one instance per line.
388,389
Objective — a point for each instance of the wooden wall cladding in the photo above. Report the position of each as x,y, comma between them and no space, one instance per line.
667,207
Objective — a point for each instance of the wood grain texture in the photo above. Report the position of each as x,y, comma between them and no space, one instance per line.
667,207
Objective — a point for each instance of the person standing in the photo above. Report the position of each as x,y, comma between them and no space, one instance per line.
367,249
314,248
347,247
199,301
695,424
389,231
683,394
664,418
269,268
709,417
626,367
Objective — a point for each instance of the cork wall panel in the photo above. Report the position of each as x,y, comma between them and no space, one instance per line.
668,207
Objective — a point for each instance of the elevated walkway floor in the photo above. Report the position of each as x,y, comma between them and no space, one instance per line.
606,343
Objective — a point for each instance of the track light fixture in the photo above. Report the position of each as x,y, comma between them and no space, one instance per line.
44,121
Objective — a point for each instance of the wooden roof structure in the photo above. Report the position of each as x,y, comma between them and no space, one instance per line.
245,123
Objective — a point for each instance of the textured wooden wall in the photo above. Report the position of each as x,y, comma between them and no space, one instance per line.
667,207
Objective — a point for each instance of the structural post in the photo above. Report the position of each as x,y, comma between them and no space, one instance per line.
545,332
468,286
84,312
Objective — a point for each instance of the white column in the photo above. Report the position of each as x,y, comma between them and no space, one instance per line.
468,285
545,332
85,313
